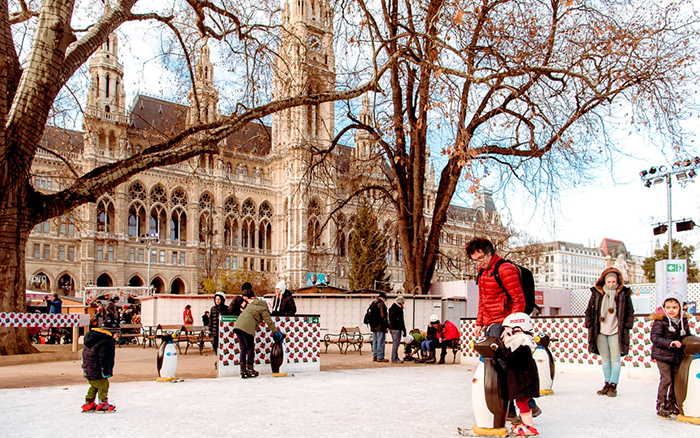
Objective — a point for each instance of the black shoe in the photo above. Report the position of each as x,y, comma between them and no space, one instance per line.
536,411
612,390
244,371
604,391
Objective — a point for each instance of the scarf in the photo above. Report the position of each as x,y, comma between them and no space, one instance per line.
608,303
677,320
518,339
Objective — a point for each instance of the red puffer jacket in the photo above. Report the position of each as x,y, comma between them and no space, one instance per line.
449,331
494,304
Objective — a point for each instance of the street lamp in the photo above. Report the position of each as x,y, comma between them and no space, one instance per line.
685,171
148,239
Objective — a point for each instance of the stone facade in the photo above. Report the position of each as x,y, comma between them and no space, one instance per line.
255,205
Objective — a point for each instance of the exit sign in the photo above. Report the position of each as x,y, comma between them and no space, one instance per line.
675,267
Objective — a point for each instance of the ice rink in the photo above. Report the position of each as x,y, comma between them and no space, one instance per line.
397,401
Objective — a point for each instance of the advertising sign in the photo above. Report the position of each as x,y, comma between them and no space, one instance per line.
671,276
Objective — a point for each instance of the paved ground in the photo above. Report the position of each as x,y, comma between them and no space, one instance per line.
134,363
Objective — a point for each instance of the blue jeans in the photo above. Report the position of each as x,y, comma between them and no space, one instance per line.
609,349
378,344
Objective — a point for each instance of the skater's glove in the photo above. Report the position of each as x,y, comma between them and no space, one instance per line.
107,377
278,336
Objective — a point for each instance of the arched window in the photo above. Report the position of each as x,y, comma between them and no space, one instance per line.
265,235
158,195
136,219
231,231
205,226
158,220
178,197
341,244
248,233
178,225
105,215
314,233
66,225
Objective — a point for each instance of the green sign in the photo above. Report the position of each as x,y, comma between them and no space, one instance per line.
675,267
312,320
229,318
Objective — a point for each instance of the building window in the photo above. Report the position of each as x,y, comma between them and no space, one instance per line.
162,257
154,255
98,252
132,254
174,258
61,252
228,262
182,258
245,262
201,260
71,253
110,253
262,264
140,255
37,251
234,263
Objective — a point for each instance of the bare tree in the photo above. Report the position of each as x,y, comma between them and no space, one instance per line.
31,85
523,89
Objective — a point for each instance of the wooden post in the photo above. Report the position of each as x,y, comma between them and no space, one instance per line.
76,332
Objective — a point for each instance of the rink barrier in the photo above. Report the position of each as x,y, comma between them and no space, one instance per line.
570,340
46,320
302,345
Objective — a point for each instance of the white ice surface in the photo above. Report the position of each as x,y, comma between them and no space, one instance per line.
427,401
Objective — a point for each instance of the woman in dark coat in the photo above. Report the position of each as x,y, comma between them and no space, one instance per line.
609,319
219,308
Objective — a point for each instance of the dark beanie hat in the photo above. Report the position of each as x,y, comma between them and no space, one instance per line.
248,293
246,286
382,295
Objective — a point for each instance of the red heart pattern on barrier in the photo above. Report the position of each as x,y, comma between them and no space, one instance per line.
10,319
571,345
302,341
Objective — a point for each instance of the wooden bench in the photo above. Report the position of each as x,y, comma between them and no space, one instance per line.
153,335
348,336
193,335
130,331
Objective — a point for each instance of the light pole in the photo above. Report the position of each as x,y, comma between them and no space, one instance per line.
148,239
685,172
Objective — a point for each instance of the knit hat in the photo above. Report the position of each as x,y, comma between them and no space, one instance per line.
246,286
281,285
248,293
400,299
677,298
612,274
382,295
220,294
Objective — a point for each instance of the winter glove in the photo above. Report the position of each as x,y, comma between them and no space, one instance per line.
278,336
107,377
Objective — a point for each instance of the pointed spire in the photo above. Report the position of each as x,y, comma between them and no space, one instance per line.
365,113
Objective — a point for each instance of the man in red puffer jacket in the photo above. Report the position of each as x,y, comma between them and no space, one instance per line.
494,303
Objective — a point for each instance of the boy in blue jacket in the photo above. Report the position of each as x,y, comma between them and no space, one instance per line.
98,363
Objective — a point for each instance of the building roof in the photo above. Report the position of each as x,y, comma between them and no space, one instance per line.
613,248
152,113
62,140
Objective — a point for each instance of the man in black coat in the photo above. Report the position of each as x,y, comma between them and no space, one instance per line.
379,325
397,327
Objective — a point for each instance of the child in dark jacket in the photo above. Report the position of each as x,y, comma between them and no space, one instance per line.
670,327
521,369
98,365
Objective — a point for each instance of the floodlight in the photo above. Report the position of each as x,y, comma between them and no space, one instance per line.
692,174
676,165
660,229
653,170
643,173
685,225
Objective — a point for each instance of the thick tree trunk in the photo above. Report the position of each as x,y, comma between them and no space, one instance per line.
15,226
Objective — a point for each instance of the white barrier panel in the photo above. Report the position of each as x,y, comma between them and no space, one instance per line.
302,345
10,319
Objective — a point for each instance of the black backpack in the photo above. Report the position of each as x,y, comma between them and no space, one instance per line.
373,316
527,283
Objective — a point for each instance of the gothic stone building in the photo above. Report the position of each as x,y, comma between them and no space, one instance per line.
253,206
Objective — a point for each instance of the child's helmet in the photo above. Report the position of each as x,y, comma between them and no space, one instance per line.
520,320
434,318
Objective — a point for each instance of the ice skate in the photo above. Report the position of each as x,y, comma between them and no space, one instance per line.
251,370
661,409
104,406
89,405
